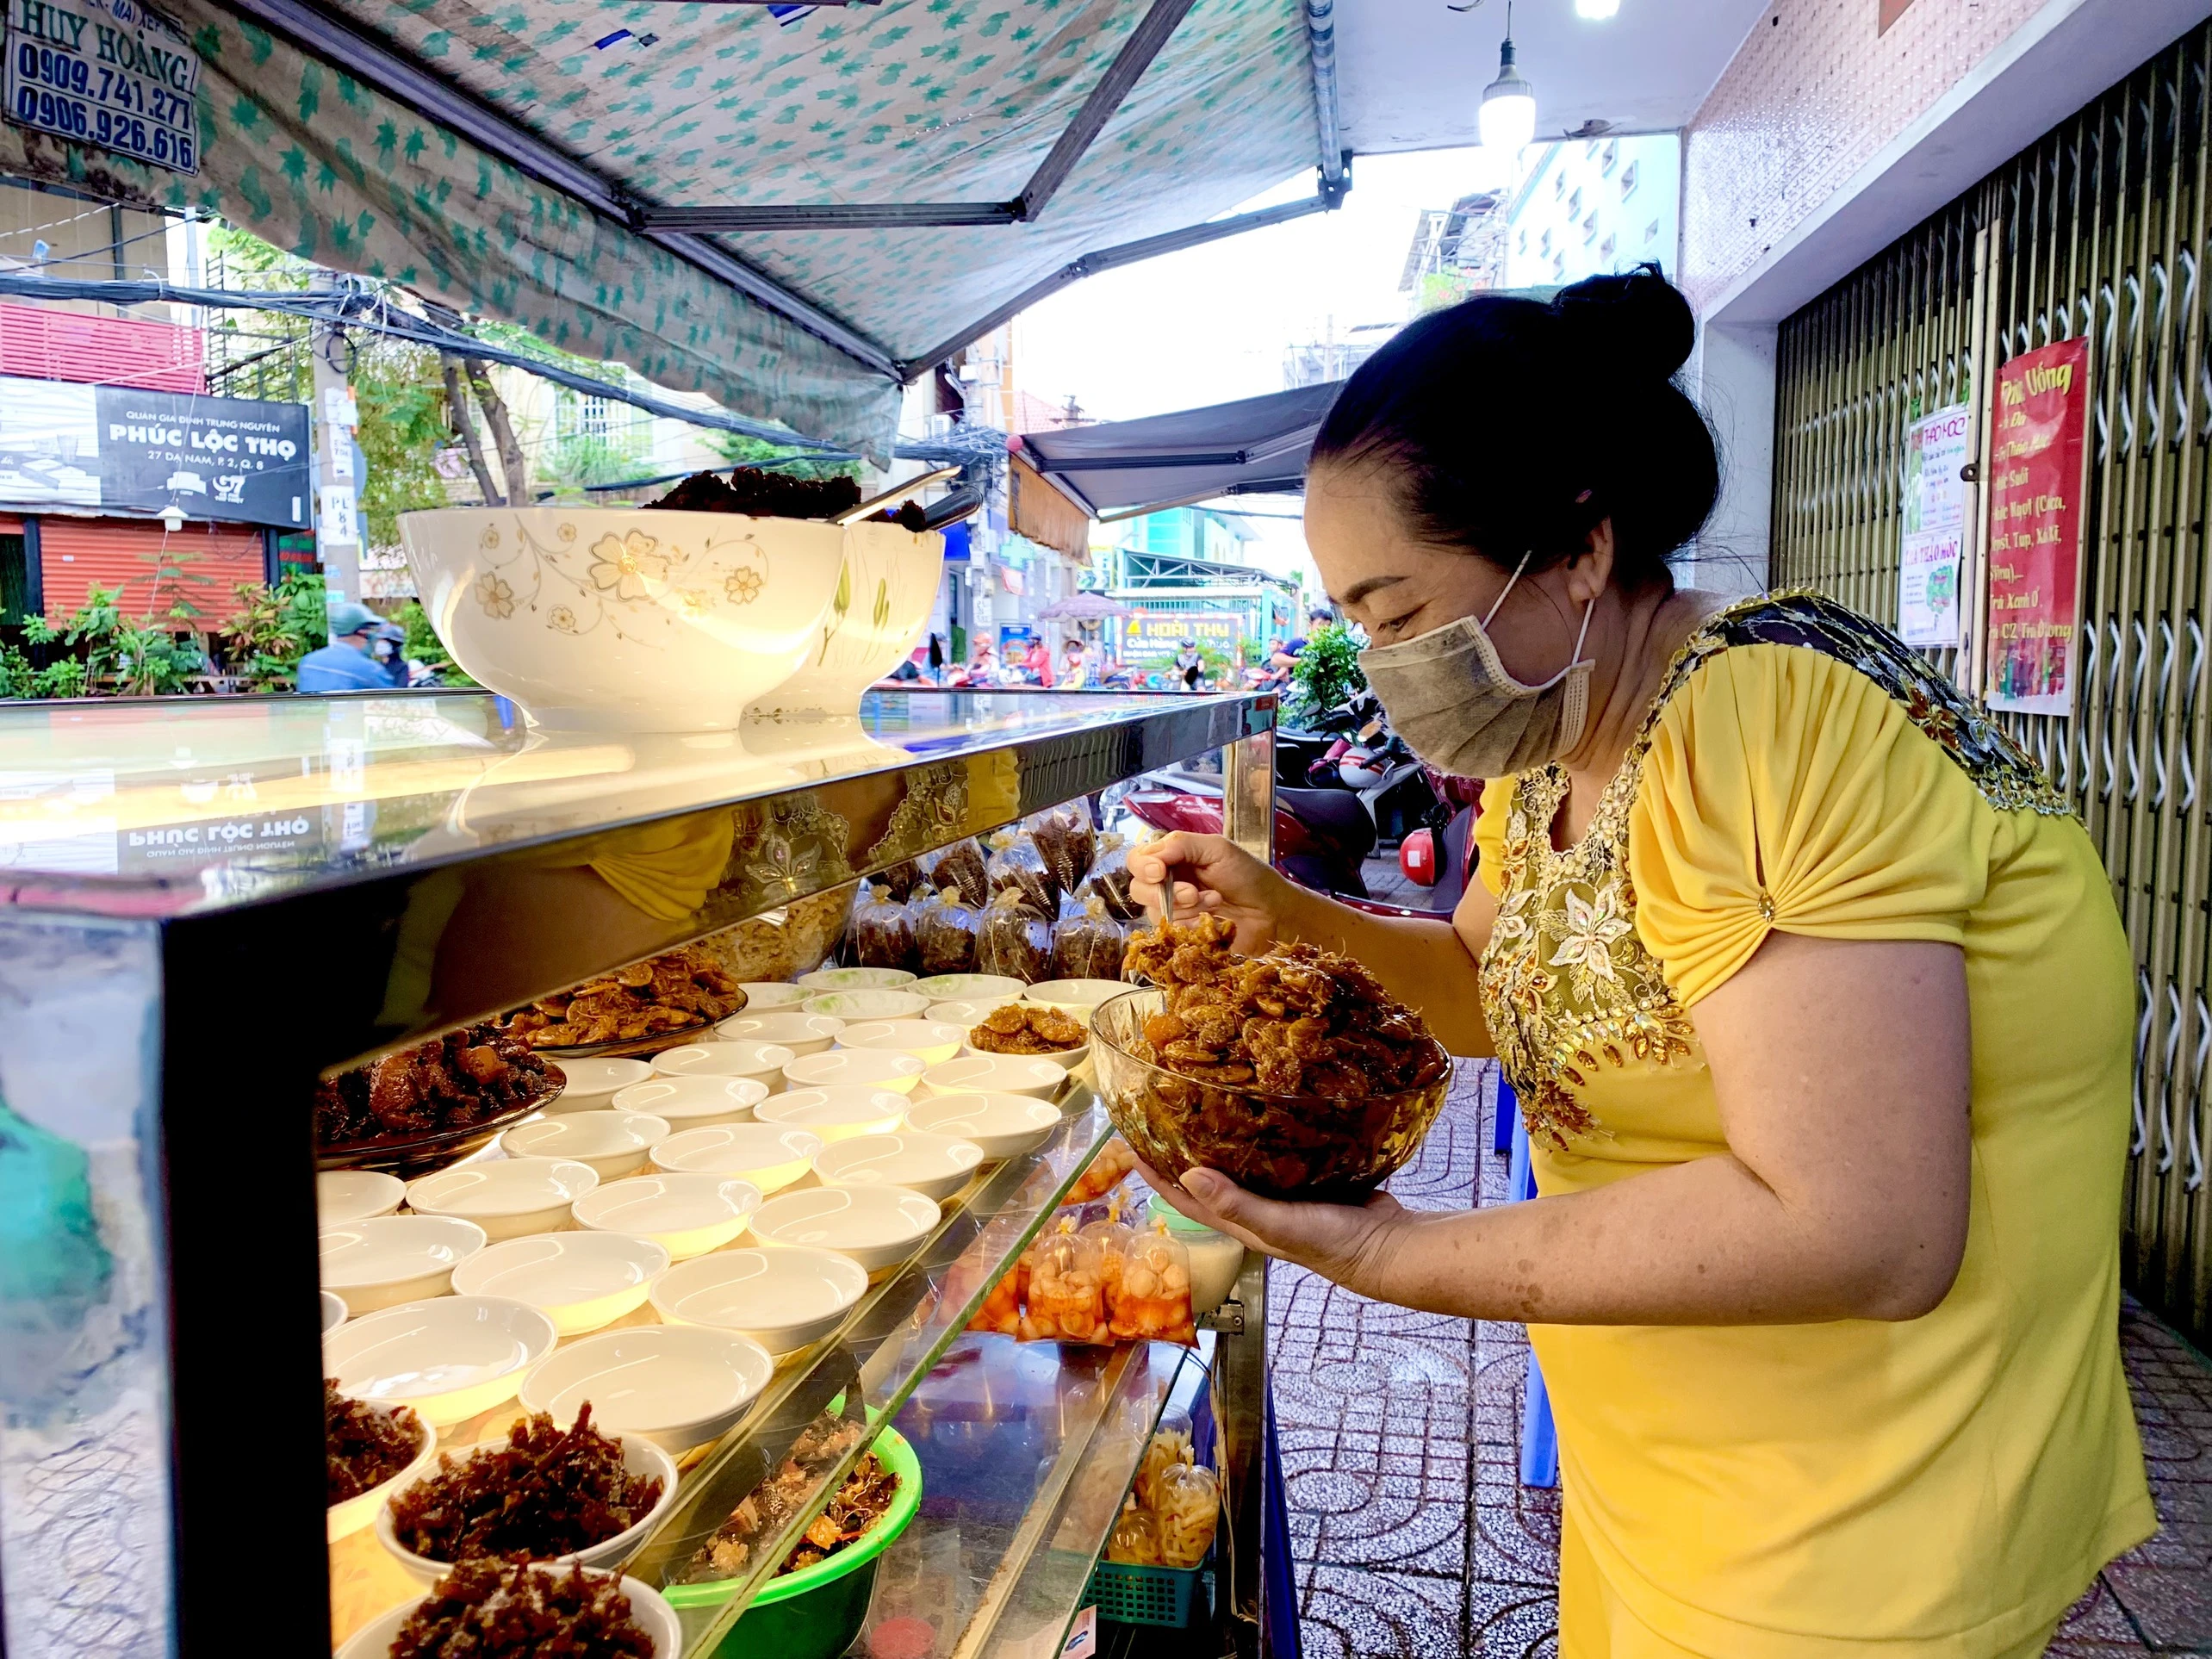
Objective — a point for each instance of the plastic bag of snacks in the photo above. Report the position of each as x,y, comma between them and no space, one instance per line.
900,881
1001,1313
958,867
1016,939
1115,1238
1136,1541
945,933
1016,862
1066,1293
882,932
1170,1448
1186,1504
1089,944
1108,881
1065,840
1114,1161
1148,1299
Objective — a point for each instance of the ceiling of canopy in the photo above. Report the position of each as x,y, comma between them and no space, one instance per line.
1411,73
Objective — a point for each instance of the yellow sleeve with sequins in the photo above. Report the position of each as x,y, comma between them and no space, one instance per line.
1785,789
1490,833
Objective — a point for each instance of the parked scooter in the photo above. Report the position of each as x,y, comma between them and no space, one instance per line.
1320,834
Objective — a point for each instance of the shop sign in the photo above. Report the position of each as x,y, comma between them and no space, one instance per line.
2038,479
107,74
1935,450
1157,636
164,847
120,448
1015,639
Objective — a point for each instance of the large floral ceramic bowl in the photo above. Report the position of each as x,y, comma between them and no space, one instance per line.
618,619
885,590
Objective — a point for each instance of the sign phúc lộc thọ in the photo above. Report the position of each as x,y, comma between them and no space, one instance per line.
106,73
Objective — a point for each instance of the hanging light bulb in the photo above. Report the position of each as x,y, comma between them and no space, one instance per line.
1508,117
1596,11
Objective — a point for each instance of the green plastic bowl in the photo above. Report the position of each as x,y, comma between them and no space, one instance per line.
816,1611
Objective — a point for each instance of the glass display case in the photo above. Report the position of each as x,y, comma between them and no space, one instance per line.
213,903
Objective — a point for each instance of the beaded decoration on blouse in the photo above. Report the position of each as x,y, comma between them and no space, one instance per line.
1566,985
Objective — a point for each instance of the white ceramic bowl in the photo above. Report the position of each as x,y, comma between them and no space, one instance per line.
389,1259
856,979
763,1062
984,990
678,1385
782,1299
867,1004
693,1103
875,1067
1077,998
639,1457
618,619
928,1041
506,1197
651,1614
448,1358
334,1311
877,1227
769,1155
764,996
686,1215
342,1196
593,1084
995,1074
934,1165
360,1510
581,1280
1005,1126
787,1027
838,1112
613,1143
890,574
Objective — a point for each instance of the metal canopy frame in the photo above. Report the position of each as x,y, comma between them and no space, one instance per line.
309,26
1129,64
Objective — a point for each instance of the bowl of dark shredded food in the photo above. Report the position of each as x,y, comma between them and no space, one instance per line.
815,1605
521,1609
548,1494
370,1450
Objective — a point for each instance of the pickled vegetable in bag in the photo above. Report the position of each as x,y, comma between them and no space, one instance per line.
1105,1172
1186,1504
1067,1293
1148,1299
1136,1540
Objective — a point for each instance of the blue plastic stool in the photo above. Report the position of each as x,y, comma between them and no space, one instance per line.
1539,1447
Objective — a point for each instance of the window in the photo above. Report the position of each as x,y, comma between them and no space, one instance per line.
1609,159
1628,176
1575,205
1544,242
1651,232
1523,238
1605,253
1558,186
1590,228
14,580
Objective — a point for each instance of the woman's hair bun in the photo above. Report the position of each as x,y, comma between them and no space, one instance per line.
1637,321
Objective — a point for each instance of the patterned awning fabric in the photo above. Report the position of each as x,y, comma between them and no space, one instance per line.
913,101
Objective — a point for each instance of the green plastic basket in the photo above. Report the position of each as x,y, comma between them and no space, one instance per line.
1129,1594
816,1611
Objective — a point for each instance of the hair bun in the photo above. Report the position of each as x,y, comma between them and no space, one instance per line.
1637,321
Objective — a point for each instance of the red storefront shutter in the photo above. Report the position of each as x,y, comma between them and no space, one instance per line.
75,554
41,345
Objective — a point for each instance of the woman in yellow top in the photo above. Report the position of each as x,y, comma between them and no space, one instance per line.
1815,998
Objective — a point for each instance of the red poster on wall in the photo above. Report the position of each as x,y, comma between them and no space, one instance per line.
2039,478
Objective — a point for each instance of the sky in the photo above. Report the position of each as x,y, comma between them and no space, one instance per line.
1213,323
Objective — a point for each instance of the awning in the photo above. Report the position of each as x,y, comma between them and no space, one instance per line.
1119,468
792,220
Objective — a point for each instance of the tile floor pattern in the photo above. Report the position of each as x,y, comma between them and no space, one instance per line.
1401,1437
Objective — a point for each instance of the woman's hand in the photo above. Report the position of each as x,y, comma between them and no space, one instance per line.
1219,878
1351,1245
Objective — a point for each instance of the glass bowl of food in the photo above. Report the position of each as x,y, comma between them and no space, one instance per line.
1331,1143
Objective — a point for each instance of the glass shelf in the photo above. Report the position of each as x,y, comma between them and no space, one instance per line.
890,1342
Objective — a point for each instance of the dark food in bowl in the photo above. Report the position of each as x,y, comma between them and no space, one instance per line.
547,1492
674,992
1291,1073
1026,1028
365,1445
509,1609
759,494
461,1079
862,1501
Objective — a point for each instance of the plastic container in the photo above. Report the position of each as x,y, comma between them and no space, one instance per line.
1166,1596
816,1611
1216,1260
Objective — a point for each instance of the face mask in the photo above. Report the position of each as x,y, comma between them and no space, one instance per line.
1448,695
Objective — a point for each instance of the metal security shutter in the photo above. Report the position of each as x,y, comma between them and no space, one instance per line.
76,554
2100,229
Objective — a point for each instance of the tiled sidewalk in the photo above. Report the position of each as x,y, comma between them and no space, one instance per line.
1401,1439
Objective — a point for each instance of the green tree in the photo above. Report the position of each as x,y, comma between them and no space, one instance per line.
580,462
739,451
424,646
1326,674
402,393
274,627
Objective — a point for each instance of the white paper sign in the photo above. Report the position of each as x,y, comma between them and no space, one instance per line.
338,523
1935,516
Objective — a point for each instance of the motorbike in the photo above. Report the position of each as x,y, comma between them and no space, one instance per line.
1321,835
